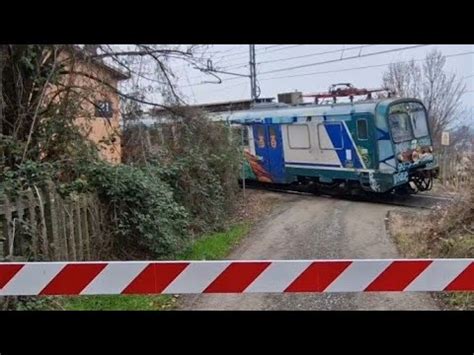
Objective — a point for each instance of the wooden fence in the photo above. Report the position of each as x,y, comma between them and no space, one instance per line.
41,225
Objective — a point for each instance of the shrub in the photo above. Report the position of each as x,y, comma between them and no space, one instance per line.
142,211
197,157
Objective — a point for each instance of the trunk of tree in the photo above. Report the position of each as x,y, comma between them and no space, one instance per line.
3,58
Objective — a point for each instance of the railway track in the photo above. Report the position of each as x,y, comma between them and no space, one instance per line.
420,201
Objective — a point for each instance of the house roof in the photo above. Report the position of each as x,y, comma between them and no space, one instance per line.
222,106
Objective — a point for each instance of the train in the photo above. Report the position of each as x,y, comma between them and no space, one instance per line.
379,146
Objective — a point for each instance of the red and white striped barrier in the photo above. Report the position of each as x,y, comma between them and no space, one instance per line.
260,276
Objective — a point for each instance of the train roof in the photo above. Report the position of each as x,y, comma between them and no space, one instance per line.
286,114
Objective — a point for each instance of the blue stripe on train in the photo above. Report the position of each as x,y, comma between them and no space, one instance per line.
382,135
339,135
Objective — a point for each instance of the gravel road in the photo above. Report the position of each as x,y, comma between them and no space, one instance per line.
307,227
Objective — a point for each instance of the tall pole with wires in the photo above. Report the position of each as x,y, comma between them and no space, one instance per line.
253,72
253,93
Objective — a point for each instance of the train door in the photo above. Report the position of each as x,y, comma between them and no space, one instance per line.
362,139
269,148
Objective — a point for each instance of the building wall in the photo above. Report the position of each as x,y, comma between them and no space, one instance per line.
104,132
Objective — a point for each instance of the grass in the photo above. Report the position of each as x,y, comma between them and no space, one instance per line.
117,303
216,246
209,247
413,243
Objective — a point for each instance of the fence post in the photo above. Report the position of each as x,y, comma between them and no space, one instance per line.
20,210
33,223
63,229
53,213
85,226
72,243
8,231
4,233
49,227
80,239
44,231
2,241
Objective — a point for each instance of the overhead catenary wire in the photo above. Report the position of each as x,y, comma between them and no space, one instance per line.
360,68
241,52
259,51
342,59
216,60
327,61
291,58
363,67
304,56
228,87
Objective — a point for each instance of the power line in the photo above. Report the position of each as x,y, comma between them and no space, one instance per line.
238,54
313,54
342,59
223,51
354,68
226,55
247,53
266,51
289,58
330,61
305,56
246,64
363,67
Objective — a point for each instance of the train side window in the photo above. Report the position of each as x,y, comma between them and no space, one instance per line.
298,136
246,136
330,136
242,135
261,137
273,138
362,130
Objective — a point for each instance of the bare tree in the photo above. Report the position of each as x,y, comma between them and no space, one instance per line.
462,138
37,92
439,90
3,57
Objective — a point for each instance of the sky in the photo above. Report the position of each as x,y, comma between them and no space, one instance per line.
321,66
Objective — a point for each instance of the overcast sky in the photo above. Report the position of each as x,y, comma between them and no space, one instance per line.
275,73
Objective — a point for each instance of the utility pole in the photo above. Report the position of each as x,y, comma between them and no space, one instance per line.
253,72
254,91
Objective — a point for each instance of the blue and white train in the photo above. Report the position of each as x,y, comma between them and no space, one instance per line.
378,146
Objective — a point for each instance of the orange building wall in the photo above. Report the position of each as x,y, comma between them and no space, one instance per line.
98,129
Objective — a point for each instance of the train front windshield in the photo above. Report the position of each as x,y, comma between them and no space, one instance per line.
408,121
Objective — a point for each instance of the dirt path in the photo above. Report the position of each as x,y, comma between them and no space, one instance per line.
306,227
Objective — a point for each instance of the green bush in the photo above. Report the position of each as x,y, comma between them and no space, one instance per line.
28,174
142,209
197,157
156,202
